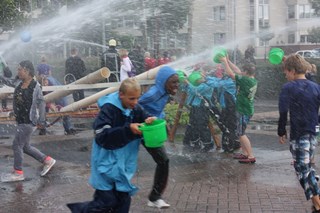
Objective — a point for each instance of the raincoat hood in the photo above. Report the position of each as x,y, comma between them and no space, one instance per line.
115,100
155,99
162,76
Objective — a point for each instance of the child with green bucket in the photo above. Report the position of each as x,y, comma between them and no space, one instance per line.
154,101
246,86
197,136
202,96
115,150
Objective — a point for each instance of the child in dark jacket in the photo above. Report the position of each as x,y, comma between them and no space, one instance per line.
115,150
300,98
154,101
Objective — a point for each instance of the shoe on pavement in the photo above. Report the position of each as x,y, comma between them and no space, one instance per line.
42,132
239,156
247,160
47,165
70,132
161,204
12,177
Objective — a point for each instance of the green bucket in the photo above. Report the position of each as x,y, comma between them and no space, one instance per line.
194,78
154,134
276,55
218,53
181,75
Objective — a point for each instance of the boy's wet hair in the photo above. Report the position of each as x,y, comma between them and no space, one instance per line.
129,84
28,66
297,63
249,68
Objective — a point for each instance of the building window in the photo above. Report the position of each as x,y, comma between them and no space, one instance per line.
304,39
263,13
251,15
291,38
219,38
305,11
219,13
291,12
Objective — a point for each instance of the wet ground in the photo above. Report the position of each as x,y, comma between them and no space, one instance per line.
207,182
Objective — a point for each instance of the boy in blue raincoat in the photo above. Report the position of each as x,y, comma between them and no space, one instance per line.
115,150
201,95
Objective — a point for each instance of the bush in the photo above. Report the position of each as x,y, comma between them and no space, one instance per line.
171,111
270,80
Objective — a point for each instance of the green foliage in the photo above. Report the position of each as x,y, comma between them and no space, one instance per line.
10,15
314,35
171,111
270,80
315,5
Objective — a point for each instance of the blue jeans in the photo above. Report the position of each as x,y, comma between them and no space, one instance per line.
302,150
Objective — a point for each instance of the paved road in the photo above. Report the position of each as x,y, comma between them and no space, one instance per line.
211,182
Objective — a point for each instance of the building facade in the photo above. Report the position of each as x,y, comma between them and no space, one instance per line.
260,23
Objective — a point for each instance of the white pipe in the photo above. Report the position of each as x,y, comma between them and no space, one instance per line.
148,75
92,78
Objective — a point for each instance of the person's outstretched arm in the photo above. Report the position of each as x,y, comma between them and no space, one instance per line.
234,67
227,67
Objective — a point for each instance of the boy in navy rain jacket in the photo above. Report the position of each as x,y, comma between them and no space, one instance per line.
115,150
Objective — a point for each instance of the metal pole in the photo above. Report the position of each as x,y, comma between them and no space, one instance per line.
234,33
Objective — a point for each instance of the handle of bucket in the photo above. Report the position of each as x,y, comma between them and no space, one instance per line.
141,127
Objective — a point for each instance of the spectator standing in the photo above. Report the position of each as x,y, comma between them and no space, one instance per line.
127,69
57,105
301,99
29,110
149,62
137,58
164,59
6,73
110,59
249,54
43,68
311,73
75,69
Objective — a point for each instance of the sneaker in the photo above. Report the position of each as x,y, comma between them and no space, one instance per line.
47,165
247,160
42,132
70,132
239,156
161,204
12,177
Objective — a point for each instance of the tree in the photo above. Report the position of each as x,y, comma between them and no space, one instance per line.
314,35
316,6
157,17
11,15
166,17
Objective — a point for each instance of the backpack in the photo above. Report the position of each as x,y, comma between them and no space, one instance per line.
133,71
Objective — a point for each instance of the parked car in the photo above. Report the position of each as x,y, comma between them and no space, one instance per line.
317,50
308,53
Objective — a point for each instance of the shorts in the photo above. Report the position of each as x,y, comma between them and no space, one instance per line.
242,123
